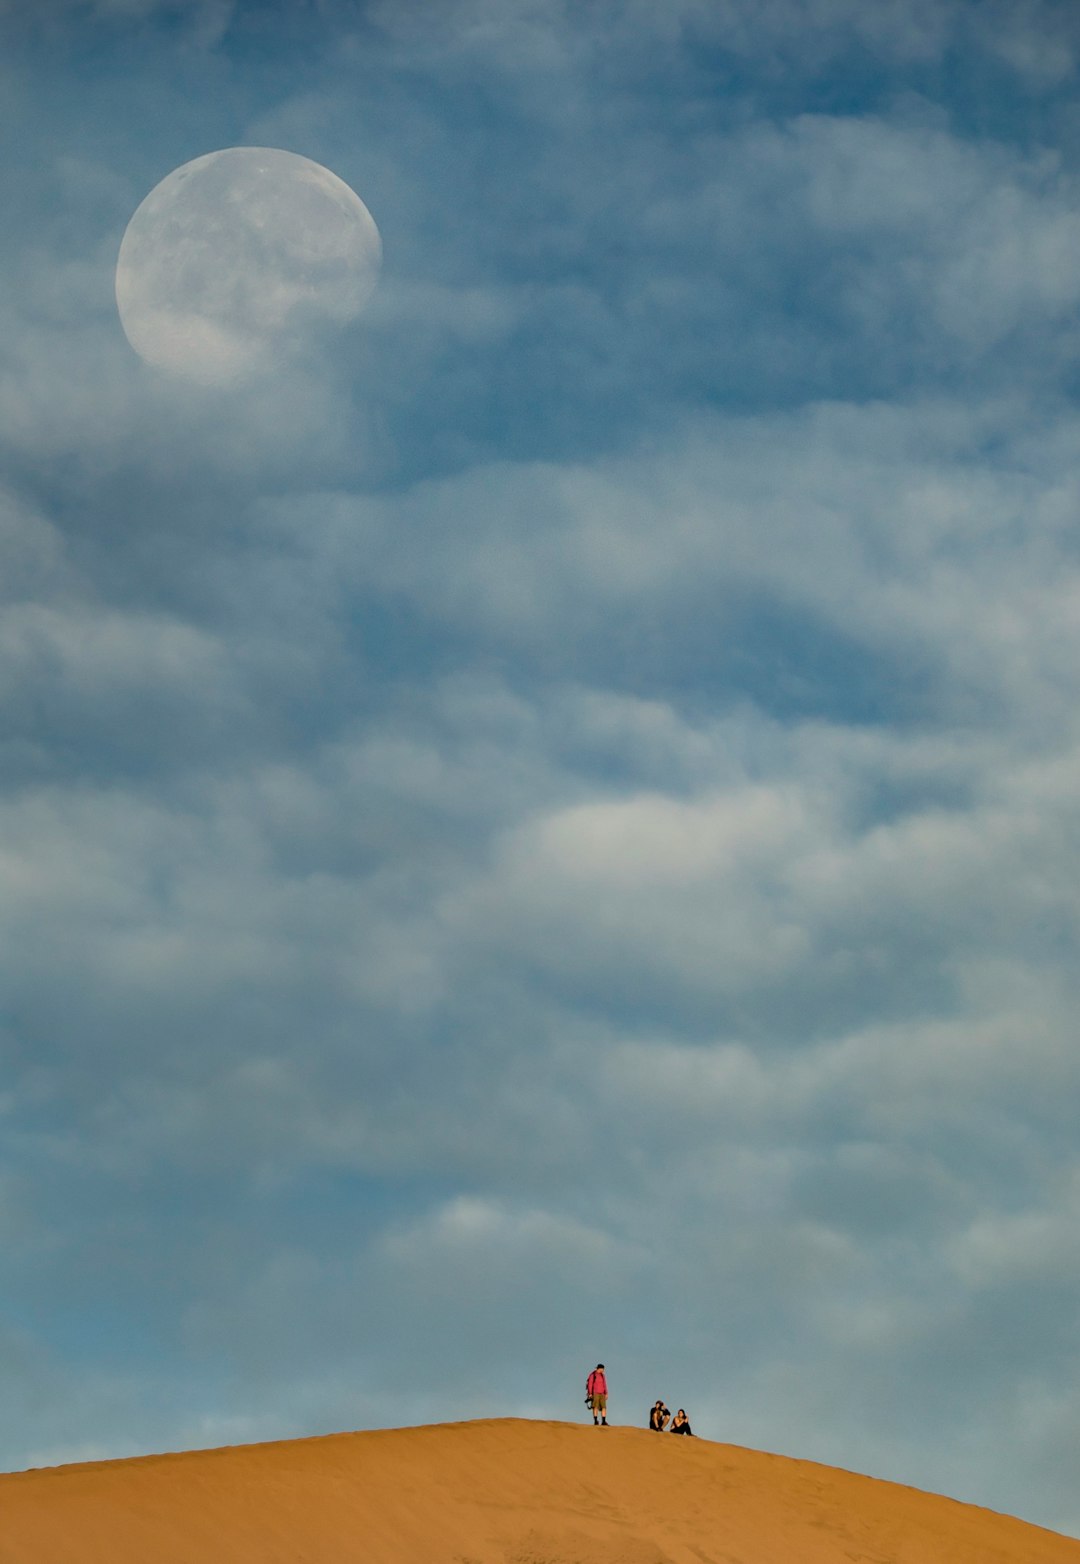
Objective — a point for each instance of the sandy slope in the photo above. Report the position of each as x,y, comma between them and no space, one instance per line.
500,1492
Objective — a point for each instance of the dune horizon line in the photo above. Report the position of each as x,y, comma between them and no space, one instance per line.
509,1490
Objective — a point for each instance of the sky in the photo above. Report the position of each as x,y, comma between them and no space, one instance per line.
549,831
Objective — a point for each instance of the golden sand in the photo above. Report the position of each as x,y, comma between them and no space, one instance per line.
505,1491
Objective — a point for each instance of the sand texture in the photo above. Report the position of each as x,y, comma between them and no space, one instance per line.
499,1492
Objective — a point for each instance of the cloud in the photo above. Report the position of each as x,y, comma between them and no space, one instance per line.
551,834
927,562
544,36
204,23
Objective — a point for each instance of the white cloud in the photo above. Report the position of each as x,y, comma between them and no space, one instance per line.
509,1249
32,560
513,907
545,36
1026,1248
91,652
204,22
884,525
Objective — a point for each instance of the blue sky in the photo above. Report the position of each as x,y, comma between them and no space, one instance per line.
552,832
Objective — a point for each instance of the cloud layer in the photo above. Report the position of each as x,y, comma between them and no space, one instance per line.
552,832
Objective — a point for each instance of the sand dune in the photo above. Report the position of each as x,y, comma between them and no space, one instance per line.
498,1492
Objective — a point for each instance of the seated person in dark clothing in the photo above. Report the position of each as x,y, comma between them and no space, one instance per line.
681,1423
659,1417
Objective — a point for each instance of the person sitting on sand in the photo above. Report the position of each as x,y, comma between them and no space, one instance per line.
596,1390
681,1423
659,1417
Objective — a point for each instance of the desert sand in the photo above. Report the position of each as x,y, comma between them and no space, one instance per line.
506,1491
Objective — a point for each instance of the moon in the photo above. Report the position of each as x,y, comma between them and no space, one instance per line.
240,256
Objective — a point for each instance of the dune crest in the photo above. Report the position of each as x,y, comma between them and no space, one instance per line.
504,1491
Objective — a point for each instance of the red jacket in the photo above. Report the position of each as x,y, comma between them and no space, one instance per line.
596,1384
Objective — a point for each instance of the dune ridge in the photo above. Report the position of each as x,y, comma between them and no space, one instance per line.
500,1491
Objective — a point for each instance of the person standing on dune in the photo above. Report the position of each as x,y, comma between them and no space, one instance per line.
596,1391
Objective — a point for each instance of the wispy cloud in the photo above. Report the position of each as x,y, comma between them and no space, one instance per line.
551,830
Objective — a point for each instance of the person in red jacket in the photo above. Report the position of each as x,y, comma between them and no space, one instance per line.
596,1388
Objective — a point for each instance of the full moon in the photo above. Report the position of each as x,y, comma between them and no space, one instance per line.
238,256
